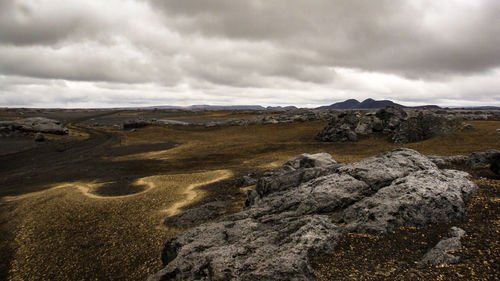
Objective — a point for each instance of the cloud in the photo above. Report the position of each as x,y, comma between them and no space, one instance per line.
258,52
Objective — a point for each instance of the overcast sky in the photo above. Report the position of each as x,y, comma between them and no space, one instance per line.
95,53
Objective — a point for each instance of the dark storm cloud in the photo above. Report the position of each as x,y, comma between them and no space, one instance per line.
269,52
412,37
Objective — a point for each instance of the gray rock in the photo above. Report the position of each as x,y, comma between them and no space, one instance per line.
135,124
343,128
291,216
482,158
35,125
441,254
306,160
298,170
443,160
423,127
193,216
391,116
412,199
248,180
393,121
39,137
468,127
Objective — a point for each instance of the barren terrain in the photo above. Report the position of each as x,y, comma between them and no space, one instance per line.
91,205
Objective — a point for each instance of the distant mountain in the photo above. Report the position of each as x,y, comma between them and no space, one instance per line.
281,107
481,107
347,104
366,104
369,104
224,107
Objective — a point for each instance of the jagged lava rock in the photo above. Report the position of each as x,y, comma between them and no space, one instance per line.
441,254
293,214
425,126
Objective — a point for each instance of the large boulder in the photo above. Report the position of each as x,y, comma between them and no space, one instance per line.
138,123
391,116
482,158
348,126
423,127
295,214
393,121
34,125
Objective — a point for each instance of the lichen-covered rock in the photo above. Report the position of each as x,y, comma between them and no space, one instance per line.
421,198
391,116
423,127
441,254
292,216
393,121
348,126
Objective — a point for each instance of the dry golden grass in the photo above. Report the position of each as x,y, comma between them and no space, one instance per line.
272,144
220,114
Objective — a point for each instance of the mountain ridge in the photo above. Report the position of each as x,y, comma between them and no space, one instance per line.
369,104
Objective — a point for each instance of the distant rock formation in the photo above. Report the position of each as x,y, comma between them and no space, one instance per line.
370,104
425,126
301,211
393,121
33,125
138,123
476,159
366,104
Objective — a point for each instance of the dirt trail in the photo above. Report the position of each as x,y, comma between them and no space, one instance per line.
192,192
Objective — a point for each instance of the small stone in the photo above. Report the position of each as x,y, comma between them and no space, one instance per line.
39,137
441,253
469,127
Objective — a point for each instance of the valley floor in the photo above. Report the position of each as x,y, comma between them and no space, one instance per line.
92,205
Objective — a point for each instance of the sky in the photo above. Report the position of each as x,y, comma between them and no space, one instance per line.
94,53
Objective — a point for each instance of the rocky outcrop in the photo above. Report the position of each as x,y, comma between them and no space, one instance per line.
138,123
393,121
391,117
348,126
423,127
478,159
33,125
443,160
301,211
482,158
442,253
